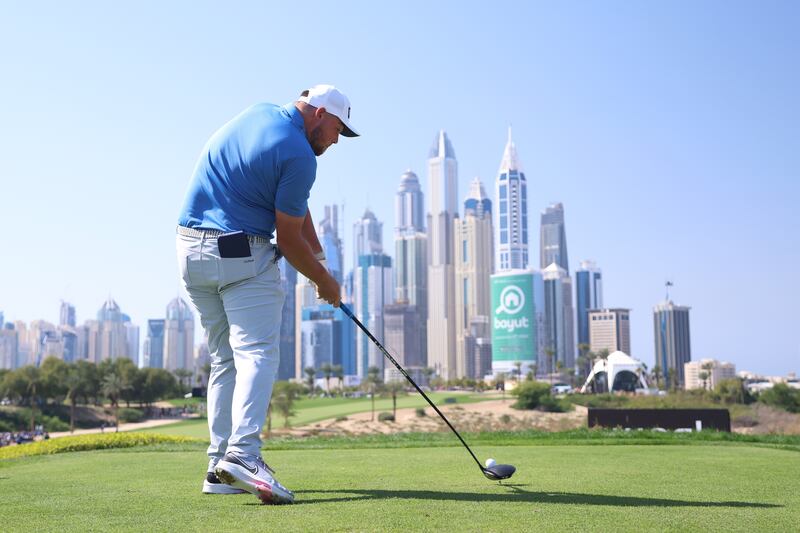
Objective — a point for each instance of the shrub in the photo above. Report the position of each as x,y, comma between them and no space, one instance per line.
341,418
420,412
782,396
530,394
386,417
127,414
505,419
450,400
95,441
554,405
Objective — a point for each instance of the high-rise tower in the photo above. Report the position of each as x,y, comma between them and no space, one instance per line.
673,342
443,209
589,295
473,269
553,238
511,228
411,267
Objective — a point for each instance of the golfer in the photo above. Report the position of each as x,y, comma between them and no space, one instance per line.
253,178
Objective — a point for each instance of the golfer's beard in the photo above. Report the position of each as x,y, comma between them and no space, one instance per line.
316,143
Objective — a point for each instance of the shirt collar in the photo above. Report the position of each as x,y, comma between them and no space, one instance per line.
294,116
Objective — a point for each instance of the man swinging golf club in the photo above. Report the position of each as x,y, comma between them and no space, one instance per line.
253,177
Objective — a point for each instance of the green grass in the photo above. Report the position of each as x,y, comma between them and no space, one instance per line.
311,410
719,485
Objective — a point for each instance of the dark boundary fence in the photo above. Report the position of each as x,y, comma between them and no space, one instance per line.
693,419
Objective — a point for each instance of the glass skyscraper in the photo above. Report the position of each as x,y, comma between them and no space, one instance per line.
589,295
673,342
153,350
553,238
512,212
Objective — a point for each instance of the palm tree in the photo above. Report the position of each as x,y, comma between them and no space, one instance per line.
182,374
311,373
394,388
500,380
283,398
551,353
373,380
703,375
75,387
338,373
428,372
708,366
657,376
32,380
112,389
327,371
517,370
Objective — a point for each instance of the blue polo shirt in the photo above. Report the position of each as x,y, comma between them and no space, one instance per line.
258,162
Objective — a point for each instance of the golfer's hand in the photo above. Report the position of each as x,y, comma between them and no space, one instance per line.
329,290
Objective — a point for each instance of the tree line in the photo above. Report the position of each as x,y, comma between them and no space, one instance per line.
86,383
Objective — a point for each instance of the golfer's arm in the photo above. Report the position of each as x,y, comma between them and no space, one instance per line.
310,234
291,237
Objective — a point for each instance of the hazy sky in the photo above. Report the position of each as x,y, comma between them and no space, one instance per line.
669,130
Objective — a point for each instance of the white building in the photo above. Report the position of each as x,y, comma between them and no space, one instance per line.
179,336
443,209
715,371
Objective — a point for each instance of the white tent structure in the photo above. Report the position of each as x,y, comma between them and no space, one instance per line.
618,372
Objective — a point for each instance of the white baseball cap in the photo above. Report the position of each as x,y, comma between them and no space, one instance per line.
334,102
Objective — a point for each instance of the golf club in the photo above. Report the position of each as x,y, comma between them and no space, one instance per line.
495,472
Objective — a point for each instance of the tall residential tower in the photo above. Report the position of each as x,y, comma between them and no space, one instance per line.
511,228
443,209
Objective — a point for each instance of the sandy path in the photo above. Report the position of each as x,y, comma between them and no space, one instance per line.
490,415
122,427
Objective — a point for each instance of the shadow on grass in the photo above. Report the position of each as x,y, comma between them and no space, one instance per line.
516,495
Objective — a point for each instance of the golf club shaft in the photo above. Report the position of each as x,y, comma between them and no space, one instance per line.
349,313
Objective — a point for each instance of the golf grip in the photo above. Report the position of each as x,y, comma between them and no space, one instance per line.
349,313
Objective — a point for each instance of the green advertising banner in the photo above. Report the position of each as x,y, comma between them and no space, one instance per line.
513,324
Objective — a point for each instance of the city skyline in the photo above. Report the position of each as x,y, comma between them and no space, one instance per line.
660,137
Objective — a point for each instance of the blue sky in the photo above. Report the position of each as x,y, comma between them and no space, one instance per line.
669,130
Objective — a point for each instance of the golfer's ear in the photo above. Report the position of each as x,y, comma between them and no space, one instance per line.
320,112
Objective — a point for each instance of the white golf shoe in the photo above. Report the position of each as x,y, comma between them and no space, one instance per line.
212,485
251,473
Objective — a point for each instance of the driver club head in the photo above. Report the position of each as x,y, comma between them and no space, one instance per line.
499,472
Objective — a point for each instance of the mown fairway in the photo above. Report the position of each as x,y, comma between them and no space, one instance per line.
703,486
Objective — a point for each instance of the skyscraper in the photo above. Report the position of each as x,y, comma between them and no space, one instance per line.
610,330
553,238
511,191
372,291
673,343
367,236
179,336
153,349
473,269
411,264
589,295
408,205
8,347
327,337
286,367
305,296
108,337
443,182
67,315
332,243
560,343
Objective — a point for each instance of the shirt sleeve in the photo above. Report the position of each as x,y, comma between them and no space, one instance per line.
294,185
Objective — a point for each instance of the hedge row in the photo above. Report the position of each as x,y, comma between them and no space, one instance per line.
101,441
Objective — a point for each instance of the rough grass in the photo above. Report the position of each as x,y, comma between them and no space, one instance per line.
730,486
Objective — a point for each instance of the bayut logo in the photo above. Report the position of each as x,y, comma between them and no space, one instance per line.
512,300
